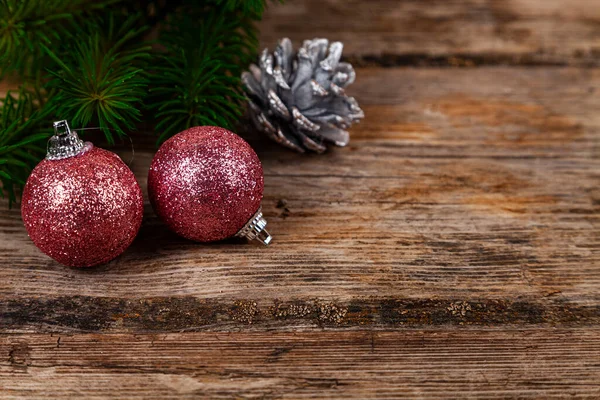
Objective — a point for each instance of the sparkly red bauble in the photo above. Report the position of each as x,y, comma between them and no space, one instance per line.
205,183
82,210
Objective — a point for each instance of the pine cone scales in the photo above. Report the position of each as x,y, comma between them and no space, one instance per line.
298,100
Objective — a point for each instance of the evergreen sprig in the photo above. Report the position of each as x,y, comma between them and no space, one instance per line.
99,77
89,62
198,78
246,7
24,131
25,24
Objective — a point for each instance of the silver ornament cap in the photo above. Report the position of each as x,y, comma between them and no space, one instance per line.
65,143
255,229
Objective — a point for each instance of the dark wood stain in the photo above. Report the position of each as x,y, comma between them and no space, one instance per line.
92,314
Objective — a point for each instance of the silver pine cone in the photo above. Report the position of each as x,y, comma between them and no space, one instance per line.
298,100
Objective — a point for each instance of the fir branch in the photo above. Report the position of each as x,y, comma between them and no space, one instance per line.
86,61
99,75
25,24
253,8
197,81
24,130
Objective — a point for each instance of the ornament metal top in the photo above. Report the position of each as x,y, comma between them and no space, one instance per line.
65,143
298,100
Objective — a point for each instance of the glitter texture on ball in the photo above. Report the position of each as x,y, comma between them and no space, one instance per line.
82,210
206,183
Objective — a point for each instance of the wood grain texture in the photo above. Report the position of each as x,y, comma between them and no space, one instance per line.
463,216
460,184
446,32
414,364
451,250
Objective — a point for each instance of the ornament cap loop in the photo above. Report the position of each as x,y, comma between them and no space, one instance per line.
255,229
61,128
65,143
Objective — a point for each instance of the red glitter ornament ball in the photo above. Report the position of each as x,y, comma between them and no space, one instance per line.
206,184
82,205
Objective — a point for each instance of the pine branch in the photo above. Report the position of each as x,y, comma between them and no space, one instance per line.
86,61
25,24
99,76
253,8
197,81
24,130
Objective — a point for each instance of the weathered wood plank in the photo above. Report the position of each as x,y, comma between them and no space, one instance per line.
414,364
460,185
446,32
452,250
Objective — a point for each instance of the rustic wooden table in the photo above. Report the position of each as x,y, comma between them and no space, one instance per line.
452,250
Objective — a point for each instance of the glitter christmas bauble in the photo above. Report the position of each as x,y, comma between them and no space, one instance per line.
206,184
82,205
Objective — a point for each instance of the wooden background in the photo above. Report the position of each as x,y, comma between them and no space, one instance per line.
451,250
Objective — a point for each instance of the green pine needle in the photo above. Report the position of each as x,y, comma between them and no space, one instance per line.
197,79
25,24
24,131
246,7
99,77
87,61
